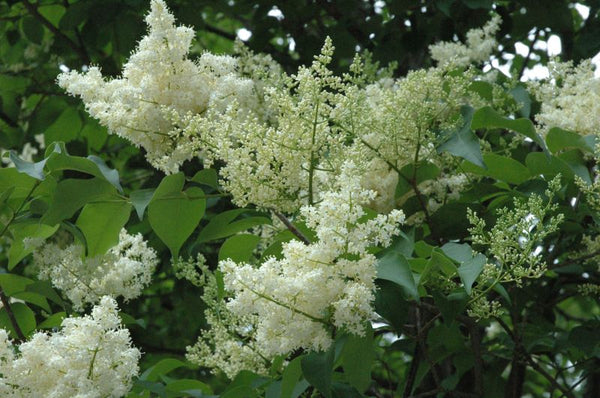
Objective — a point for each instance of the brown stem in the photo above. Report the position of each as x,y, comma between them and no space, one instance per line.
292,228
11,317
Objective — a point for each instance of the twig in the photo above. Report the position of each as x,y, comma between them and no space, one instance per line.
566,392
11,317
292,228
526,60
79,50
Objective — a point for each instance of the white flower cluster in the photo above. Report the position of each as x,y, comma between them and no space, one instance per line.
159,87
570,98
478,48
329,283
123,271
90,357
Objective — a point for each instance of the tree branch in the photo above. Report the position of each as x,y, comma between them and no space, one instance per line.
11,317
292,228
74,46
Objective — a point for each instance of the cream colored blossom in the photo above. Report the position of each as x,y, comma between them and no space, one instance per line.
329,282
123,271
570,98
479,46
158,82
89,357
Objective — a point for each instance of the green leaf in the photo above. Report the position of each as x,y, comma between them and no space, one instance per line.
576,161
21,185
111,175
92,165
559,139
11,283
358,355
463,142
207,177
470,270
459,252
394,267
18,250
161,368
33,298
35,170
101,223
65,128
390,304
173,214
45,289
425,171
239,248
500,168
222,225
317,368
549,167
439,260
290,377
24,316
73,194
488,118
140,200
186,385
33,29
521,96
53,321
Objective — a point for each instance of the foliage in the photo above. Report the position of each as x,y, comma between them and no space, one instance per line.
309,222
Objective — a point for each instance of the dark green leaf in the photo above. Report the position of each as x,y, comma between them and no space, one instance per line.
559,139
501,168
462,142
317,368
394,267
358,355
470,270
72,194
488,118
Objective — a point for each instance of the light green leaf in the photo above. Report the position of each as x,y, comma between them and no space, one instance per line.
35,170
54,320
22,231
24,316
469,271
290,377
239,248
459,252
11,283
222,225
101,223
140,200
207,177
173,214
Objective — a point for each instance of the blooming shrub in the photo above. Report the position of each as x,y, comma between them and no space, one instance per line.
393,221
